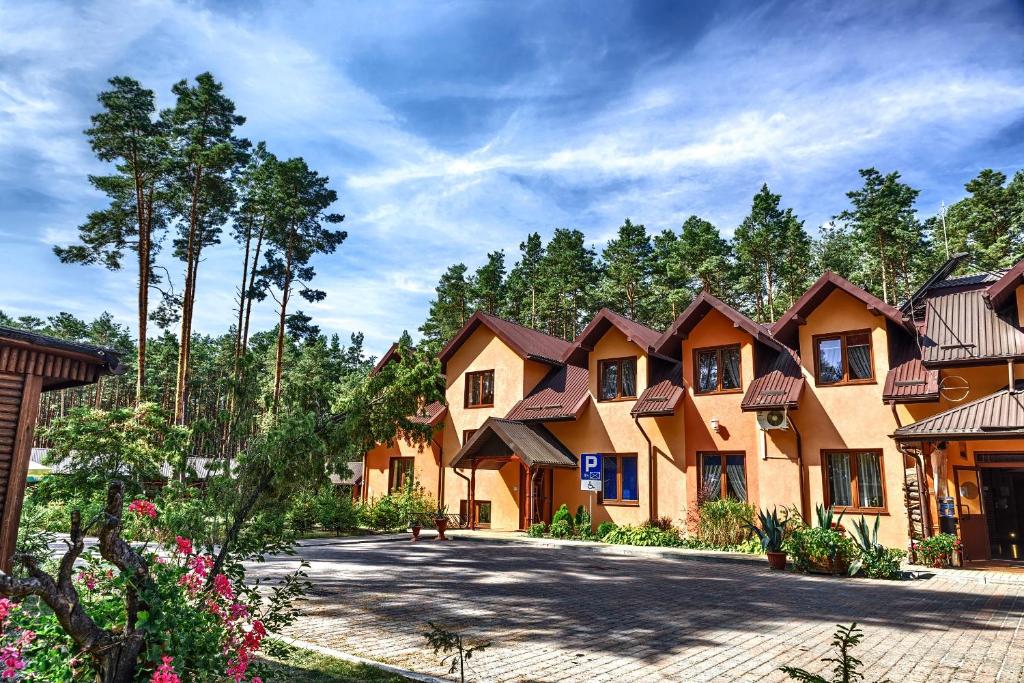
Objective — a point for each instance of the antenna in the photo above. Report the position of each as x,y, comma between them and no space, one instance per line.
942,215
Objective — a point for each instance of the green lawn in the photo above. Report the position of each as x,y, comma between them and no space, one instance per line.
291,665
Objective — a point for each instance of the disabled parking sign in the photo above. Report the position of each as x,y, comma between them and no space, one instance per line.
590,472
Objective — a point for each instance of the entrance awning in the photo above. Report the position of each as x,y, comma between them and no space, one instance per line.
996,416
499,439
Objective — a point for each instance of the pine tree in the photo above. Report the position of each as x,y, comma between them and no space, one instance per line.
885,228
522,285
626,281
835,250
773,255
706,256
568,276
449,310
127,134
989,223
671,282
488,284
297,232
205,153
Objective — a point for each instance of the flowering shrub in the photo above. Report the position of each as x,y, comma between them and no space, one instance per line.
13,642
143,508
938,550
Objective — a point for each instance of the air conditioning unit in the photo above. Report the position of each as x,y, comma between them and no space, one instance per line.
772,419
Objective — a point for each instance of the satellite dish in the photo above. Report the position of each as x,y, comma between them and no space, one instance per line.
954,388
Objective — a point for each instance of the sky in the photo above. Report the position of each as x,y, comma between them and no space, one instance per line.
450,129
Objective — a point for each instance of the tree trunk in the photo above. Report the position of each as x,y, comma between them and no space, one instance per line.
145,236
252,283
279,361
188,299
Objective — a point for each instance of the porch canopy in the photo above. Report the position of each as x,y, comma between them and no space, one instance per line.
996,416
498,440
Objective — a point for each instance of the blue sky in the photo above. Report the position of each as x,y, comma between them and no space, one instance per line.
451,129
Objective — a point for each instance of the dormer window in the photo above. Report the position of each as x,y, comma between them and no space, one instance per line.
616,379
843,358
480,389
718,369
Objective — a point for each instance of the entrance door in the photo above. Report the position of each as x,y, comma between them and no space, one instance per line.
1003,494
973,524
542,495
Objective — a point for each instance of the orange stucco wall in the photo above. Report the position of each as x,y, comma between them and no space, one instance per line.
425,466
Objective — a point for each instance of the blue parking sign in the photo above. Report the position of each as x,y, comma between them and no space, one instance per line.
590,472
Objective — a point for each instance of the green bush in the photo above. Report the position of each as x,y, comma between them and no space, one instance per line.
584,523
302,512
643,536
723,523
561,528
382,514
537,530
604,528
938,550
335,510
562,514
820,548
883,565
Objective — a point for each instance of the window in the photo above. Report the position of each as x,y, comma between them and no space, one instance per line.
718,481
843,358
620,480
617,379
467,434
480,389
400,473
853,480
717,369
483,512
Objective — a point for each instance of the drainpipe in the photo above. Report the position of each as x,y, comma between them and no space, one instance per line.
472,497
804,510
463,476
652,508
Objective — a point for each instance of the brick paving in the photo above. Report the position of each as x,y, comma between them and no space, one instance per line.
572,614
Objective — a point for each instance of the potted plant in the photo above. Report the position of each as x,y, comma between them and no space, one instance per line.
772,532
416,526
441,522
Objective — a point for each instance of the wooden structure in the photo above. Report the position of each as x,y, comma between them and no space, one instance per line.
29,365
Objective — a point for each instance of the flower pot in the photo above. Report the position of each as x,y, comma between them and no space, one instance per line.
442,525
777,560
416,529
826,566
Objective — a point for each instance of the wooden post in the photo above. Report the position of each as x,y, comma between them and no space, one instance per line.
472,497
17,475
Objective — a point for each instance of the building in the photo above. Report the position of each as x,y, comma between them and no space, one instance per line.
911,413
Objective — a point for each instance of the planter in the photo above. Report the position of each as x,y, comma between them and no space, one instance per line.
777,560
824,566
416,529
442,525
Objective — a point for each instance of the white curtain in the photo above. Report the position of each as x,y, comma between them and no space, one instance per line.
839,478
707,371
869,480
860,361
712,485
736,476
609,380
731,369
629,378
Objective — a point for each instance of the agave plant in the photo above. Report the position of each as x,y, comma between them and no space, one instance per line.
866,539
825,516
771,530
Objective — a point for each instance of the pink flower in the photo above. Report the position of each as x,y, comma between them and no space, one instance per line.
88,578
165,672
201,565
184,545
223,587
143,508
5,608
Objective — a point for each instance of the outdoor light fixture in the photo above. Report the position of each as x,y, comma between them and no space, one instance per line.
714,425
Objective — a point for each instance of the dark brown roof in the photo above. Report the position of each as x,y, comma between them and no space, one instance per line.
500,438
998,415
61,363
527,343
431,415
1000,292
388,356
664,390
785,329
778,383
908,380
639,334
961,328
560,395
668,343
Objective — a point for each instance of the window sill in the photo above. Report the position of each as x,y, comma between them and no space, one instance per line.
482,405
621,399
621,503
884,512
718,392
854,383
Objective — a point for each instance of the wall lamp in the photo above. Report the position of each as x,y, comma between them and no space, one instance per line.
714,425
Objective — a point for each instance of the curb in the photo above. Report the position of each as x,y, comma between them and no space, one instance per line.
354,659
616,549
350,540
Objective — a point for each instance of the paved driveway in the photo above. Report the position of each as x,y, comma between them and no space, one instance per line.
567,614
